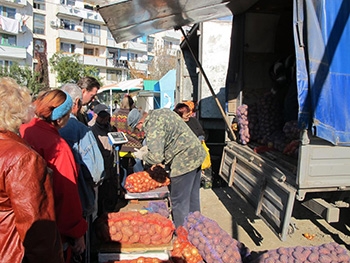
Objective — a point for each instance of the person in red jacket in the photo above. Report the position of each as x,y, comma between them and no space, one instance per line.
52,109
27,214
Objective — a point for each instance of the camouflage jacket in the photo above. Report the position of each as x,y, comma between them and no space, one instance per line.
170,141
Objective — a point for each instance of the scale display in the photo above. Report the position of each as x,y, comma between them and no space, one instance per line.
116,138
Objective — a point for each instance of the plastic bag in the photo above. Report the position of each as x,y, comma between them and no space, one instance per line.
207,162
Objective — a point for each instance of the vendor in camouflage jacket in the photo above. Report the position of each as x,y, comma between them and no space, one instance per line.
171,142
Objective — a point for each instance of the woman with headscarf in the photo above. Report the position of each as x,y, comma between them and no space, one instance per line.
52,110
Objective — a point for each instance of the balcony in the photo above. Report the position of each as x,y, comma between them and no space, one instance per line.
139,66
172,52
71,35
94,17
13,52
15,3
111,43
115,63
139,47
94,61
91,39
70,11
87,15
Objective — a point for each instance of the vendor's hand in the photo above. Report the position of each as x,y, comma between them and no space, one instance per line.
79,245
159,164
139,153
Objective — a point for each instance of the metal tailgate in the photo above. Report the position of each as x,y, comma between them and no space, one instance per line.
260,183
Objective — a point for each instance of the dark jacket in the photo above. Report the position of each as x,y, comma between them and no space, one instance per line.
27,214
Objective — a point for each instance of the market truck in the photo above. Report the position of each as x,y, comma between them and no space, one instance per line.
274,90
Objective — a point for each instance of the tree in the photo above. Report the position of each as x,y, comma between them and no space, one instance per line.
68,68
161,63
24,77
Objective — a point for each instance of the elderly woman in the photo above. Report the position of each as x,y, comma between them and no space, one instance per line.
27,216
52,110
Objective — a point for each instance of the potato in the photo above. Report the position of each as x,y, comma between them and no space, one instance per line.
282,251
112,230
127,231
299,256
135,238
145,239
156,237
167,239
343,257
117,236
324,250
226,240
124,239
324,258
313,257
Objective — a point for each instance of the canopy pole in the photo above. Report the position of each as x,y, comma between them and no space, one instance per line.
228,125
111,102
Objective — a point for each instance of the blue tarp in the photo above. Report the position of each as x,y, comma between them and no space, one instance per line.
322,42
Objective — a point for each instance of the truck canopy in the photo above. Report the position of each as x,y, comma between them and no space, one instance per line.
128,19
322,37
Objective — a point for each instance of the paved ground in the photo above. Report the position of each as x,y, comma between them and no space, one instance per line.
237,218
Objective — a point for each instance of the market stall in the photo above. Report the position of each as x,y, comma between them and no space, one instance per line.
143,230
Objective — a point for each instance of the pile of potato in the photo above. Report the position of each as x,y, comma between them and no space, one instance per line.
326,253
134,227
243,123
213,243
145,181
141,260
291,130
184,251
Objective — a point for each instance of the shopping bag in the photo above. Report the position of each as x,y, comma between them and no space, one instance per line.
207,162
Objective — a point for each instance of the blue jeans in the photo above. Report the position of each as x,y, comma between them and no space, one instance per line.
184,195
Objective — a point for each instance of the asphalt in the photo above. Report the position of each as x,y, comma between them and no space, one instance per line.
222,204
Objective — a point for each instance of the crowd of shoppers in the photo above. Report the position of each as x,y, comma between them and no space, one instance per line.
55,166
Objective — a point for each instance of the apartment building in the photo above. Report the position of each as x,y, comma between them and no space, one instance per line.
33,29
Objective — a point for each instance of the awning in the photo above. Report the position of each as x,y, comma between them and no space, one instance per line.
129,19
127,86
124,86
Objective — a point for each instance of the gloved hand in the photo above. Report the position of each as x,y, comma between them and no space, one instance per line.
139,153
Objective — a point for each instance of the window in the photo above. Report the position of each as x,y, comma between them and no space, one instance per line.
150,58
6,63
168,44
89,7
67,24
150,44
66,47
114,75
132,56
109,35
39,24
8,12
92,29
8,40
68,2
39,4
91,51
112,54
39,45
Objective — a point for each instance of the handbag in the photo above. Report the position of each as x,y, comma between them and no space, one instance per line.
207,162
